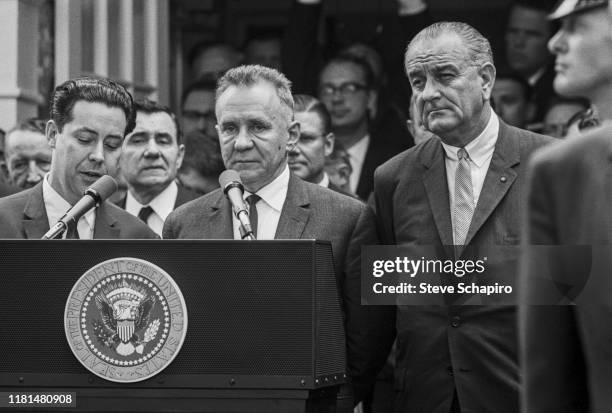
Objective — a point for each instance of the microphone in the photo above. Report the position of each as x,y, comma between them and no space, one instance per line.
232,188
93,196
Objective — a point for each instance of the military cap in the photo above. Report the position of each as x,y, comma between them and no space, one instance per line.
568,7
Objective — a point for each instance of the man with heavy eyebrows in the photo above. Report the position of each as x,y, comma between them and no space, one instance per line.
460,187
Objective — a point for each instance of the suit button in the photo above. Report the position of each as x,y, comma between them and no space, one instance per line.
450,370
456,321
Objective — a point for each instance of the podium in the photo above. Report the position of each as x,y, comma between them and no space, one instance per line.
264,332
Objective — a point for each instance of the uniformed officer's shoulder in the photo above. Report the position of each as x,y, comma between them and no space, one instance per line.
580,150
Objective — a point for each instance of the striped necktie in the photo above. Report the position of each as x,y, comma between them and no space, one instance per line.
464,198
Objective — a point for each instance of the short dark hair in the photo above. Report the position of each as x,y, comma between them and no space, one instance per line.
363,64
149,106
207,85
542,6
509,74
307,103
93,90
202,154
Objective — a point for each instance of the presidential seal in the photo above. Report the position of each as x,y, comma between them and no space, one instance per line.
125,320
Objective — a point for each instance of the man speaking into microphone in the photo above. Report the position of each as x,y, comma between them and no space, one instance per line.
254,109
89,119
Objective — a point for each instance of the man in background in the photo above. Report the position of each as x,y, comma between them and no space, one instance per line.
198,108
27,153
151,156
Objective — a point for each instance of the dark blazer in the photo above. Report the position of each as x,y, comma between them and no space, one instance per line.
543,92
378,152
477,356
568,348
183,195
6,189
310,212
23,215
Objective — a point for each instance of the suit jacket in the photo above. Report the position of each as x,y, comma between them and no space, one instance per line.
567,348
544,92
23,215
182,196
378,152
310,212
477,356
6,189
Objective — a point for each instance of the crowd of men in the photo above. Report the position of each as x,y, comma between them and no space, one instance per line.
348,162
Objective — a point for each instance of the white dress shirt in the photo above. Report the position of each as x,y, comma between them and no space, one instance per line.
162,205
325,181
56,206
480,151
357,154
269,207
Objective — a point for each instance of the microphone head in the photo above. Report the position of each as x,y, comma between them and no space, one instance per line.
229,179
102,188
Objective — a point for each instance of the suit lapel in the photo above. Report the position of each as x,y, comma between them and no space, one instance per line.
105,225
436,187
295,212
498,180
35,221
220,224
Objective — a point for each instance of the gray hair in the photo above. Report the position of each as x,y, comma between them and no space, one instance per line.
478,46
249,75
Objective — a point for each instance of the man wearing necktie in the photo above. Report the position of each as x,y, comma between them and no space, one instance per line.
151,156
254,109
461,187
89,119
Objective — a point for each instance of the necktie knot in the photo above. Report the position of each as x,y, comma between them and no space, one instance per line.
145,213
253,199
462,154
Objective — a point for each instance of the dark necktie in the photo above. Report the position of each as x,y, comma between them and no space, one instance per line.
72,232
145,213
252,200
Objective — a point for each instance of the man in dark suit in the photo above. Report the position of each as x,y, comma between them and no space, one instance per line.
89,119
566,348
152,154
255,113
460,187
527,31
347,89
316,143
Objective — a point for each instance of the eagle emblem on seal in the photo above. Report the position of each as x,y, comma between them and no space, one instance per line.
124,324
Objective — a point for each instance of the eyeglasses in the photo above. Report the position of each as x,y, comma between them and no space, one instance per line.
345,89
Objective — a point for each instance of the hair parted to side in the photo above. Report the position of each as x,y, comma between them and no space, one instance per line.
478,46
150,106
93,90
249,75
307,103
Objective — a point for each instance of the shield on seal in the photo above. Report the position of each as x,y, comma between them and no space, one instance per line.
125,329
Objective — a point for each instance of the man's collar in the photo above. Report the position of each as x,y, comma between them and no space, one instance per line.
55,204
482,147
275,192
325,181
162,204
533,79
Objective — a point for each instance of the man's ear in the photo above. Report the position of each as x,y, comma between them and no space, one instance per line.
180,157
373,103
51,132
330,139
487,75
294,133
